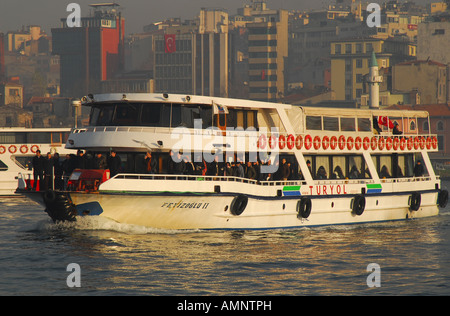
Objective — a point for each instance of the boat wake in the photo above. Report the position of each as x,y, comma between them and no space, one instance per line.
97,223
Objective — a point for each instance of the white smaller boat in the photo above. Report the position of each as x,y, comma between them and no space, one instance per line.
18,146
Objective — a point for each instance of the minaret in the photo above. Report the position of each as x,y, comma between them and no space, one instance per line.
374,83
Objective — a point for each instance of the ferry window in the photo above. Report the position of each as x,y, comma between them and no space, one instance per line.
322,167
56,138
339,169
12,138
105,115
385,166
314,123
93,118
330,123
24,162
151,114
364,125
309,163
40,138
347,124
3,167
126,114
356,170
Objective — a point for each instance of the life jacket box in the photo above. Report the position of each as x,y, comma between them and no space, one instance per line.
88,179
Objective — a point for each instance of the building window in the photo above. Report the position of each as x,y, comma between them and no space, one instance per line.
440,126
337,49
441,142
425,126
358,63
348,48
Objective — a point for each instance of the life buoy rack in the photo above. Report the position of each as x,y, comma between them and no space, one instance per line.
299,142
316,142
238,205
272,141
24,149
442,198
350,143
359,205
262,142
358,143
308,142
12,149
325,142
34,148
388,143
341,142
304,206
290,142
281,141
2,150
415,201
333,142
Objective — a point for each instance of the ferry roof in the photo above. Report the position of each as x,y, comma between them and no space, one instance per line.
180,98
240,103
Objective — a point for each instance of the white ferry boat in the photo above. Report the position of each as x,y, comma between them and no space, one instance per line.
311,166
18,146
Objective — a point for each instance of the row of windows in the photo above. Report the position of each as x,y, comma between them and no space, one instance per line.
174,58
32,138
328,123
262,43
349,48
262,66
262,30
263,55
180,44
173,72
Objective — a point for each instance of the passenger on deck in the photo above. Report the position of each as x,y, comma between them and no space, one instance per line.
285,171
354,173
418,169
151,164
395,130
338,174
100,161
48,172
384,172
250,172
114,163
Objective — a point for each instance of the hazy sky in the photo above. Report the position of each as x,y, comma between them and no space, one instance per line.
48,13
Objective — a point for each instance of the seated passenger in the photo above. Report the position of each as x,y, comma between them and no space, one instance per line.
321,173
384,172
354,173
338,174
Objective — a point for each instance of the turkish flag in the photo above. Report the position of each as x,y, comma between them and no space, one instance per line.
263,75
384,120
170,45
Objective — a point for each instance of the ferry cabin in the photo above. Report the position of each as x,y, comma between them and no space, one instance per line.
322,145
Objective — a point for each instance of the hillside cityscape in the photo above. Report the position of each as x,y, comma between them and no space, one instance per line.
311,57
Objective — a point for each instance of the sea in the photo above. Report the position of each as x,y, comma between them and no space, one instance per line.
99,257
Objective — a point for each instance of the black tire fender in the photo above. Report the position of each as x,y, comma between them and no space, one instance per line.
304,206
442,198
359,205
238,204
415,201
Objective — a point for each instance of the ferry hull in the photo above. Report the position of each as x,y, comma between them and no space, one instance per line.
215,211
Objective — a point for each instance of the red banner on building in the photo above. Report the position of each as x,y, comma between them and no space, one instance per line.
169,40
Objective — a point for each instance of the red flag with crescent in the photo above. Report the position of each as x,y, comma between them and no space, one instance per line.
169,40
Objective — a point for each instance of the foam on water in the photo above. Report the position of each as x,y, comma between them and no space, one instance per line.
98,223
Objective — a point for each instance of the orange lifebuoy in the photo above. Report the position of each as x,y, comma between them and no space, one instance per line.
366,143
380,143
308,142
333,142
12,149
358,143
395,143
316,142
409,143
402,143
373,143
416,142
299,142
435,142
34,148
389,143
429,142
282,141
422,142
290,141
2,150
325,142
350,143
272,141
341,142
262,141
24,149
